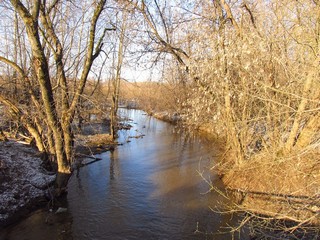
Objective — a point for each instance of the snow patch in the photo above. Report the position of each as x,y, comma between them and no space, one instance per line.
22,179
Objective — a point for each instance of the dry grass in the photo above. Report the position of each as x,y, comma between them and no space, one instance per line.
281,187
95,140
92,144
296,175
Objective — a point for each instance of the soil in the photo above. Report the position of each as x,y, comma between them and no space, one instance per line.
24,183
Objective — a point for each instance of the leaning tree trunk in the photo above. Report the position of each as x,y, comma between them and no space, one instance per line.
57,120
41,69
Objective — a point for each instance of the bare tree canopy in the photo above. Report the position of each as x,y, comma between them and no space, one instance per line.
245,71
51,44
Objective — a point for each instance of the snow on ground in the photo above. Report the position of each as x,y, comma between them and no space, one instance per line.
23,182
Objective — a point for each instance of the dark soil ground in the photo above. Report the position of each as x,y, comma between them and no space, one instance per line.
24,182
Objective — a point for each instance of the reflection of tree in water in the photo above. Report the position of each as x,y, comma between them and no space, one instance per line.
114,167
65,227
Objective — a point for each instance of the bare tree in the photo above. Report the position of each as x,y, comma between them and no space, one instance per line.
56,110
117,78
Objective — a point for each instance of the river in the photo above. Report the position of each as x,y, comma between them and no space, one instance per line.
147,188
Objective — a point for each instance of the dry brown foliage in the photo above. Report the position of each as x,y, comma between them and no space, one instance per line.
254,81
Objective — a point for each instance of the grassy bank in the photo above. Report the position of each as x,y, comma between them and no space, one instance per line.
277,193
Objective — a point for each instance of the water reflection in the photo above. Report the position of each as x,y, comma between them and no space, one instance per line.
152,189
114,164
149,188
41,225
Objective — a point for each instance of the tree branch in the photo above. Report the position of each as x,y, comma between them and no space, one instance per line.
89,58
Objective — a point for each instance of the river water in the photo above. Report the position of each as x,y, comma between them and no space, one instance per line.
147,188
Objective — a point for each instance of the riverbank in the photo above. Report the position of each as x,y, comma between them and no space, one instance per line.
146,189
277,186
277,192
25,183
282,189
165,116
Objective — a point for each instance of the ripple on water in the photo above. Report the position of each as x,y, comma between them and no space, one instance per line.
146,189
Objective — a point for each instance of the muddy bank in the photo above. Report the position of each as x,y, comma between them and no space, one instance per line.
24,182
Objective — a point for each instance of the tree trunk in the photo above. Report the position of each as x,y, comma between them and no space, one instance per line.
116,81
37,137
61,183
56,120
301,108
40,65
